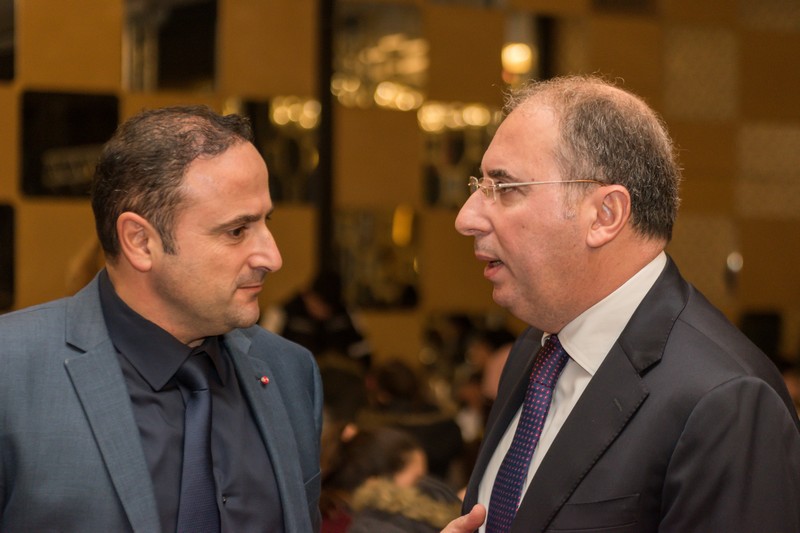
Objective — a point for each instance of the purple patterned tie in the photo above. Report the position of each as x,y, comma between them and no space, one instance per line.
507,490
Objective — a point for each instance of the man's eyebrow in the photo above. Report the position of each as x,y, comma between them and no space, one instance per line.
239,221
499,173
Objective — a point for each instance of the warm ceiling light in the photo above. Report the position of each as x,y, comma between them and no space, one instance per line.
517,58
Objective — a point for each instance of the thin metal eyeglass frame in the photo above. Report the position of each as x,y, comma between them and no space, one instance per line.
490,191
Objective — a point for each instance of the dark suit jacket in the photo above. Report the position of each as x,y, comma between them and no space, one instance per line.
70,454
686,426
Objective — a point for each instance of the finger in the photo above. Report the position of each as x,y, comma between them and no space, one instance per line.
468,522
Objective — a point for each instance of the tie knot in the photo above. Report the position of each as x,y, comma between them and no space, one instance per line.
194,372
550,362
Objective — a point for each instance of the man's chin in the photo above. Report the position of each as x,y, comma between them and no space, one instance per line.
501,298
247,316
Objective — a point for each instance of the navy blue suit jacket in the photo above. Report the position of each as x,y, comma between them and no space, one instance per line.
686,426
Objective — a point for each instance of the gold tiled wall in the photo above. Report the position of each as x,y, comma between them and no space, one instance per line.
78,47
724,73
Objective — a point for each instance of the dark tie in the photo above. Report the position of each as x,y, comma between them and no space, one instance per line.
507,490
197,511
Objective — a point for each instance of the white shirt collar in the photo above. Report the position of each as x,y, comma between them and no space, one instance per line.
590,336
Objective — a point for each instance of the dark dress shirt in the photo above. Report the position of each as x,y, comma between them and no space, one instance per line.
247,492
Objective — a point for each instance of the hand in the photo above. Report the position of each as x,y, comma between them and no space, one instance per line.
469,522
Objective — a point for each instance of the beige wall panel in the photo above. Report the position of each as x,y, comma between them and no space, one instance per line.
450,276
701,74
133,103
268,48
628,48
701,194
378,158
707,153
9,133
465,46
768,179
713,11
701,243
571,50
295,230
393,335
50,233
706,150
552,7
75,44
776,15
791,332
770,75
771,251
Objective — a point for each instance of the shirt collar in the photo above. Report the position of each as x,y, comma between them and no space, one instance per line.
590,336
154,353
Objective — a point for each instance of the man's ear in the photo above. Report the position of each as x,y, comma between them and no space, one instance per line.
138,240
612,205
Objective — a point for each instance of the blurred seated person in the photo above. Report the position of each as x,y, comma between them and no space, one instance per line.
499,342
318,319
388,506
397,400
383,452
485,354
344,394
475,389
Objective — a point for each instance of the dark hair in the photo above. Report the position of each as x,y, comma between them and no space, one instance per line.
399,381
141,169
611,135
382,452
328,286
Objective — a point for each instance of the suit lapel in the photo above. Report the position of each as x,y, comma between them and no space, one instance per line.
608,403
100,386
273,423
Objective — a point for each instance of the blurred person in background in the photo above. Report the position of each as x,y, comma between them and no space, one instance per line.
318,319
379,453
398,398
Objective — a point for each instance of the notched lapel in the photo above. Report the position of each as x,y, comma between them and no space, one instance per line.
274,426
609,402
612,398
101,388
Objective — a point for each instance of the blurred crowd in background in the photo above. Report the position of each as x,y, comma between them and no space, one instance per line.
399,436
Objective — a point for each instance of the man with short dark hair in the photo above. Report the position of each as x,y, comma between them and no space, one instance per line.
149,401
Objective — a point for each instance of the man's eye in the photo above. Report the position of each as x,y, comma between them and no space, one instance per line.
237,232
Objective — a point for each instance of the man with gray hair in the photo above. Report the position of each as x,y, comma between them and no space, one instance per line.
631,403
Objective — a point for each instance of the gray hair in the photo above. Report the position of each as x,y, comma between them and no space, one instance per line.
611,135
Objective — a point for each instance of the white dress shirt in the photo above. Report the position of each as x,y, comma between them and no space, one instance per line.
587,340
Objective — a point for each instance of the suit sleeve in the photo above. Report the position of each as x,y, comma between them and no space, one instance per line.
736,465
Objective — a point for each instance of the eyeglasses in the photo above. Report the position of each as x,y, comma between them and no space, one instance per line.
490,188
